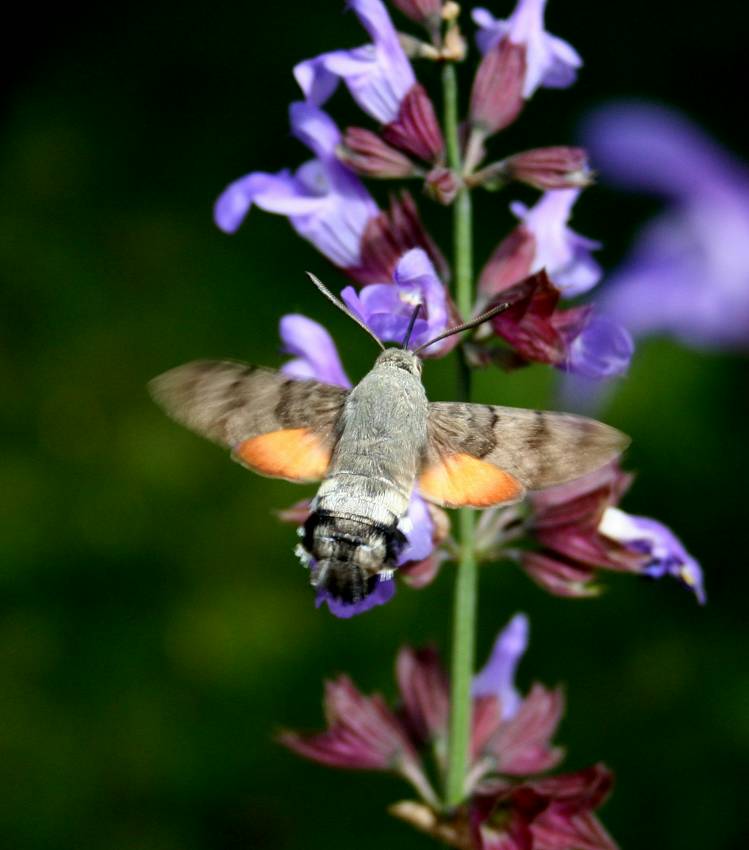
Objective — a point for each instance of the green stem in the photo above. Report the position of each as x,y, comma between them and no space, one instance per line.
466,584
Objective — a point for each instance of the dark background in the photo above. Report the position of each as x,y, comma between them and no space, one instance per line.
154,627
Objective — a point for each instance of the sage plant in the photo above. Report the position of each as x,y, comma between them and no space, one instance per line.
477,753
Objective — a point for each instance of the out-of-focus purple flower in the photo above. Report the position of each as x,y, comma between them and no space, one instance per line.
687,274
564,254
549,61
315,354
580,529
602,349
665,552
497,678
325,202
378,75
387,308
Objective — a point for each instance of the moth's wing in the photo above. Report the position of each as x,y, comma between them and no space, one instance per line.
275,425
481,455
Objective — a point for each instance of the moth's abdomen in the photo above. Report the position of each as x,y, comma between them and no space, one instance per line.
350,553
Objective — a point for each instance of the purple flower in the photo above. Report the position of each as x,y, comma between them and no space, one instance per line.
574,340
666,555
497,678
602,349
549,61
325,202
564,254
315,353
383,592
378,75
687,274
580,529
387,308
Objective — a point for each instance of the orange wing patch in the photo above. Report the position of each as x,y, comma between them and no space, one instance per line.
462,480
296,454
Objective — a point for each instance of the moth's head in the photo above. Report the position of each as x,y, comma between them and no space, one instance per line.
400,358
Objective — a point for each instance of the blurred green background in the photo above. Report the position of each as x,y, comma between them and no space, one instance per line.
155,629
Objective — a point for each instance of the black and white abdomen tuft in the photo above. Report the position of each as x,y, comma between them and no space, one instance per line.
349,553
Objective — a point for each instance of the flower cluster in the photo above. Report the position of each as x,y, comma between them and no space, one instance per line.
395,265
535,286
328,205
508,804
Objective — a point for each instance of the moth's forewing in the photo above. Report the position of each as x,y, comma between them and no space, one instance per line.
275,425
536,449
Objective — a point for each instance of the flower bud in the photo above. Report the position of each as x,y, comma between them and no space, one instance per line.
416,129
549,168
366,153
442,185
427,12
497,94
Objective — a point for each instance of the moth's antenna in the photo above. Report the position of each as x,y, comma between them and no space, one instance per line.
466,326
341,306
411,323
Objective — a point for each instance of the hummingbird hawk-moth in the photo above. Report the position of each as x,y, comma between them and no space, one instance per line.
372,445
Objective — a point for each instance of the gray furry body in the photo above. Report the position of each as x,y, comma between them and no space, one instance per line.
353,533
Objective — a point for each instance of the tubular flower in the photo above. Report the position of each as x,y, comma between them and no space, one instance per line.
378,75
559,264
687,274
548,61
315,357
564,254
580,529
315,354
381,80
510,741
665,553
574,339
387,307
324,201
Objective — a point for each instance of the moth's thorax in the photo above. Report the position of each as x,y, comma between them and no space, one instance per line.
400,358
382,438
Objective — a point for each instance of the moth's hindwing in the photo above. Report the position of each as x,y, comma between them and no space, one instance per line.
275,425
478,455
